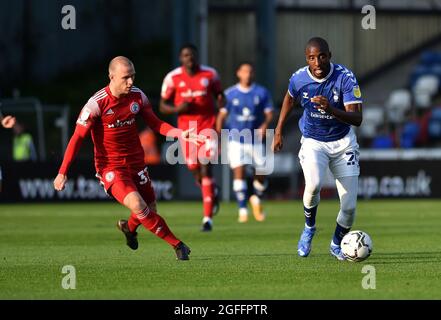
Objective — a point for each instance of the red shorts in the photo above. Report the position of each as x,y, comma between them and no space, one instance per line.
120,182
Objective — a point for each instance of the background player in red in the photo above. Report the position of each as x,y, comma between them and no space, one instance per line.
119,158
190,92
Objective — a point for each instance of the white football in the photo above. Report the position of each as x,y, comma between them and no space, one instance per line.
356,246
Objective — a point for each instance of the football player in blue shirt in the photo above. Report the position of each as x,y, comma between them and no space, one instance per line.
331,99
248,112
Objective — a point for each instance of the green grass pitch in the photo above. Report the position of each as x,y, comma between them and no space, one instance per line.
235,261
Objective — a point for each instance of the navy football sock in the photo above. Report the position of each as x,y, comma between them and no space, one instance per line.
310,216
339,234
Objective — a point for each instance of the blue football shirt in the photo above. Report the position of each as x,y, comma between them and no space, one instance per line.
246,107
340,87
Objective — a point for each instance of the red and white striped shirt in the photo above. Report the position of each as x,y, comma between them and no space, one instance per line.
198,90
112,124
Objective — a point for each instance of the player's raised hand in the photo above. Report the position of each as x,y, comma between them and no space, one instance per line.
277,144
60,182
190,136
8,122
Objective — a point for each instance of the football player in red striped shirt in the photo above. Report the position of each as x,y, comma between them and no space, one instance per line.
190,91
119,158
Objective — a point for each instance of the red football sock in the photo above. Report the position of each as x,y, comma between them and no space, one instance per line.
154,222
207,196
133,222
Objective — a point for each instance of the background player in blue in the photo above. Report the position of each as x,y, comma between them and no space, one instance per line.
248,109
331,98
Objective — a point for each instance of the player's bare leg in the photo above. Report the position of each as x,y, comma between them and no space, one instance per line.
151,221
259,186
240,189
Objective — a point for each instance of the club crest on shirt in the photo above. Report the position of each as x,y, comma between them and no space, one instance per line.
134,108
356,91
205,82
110,176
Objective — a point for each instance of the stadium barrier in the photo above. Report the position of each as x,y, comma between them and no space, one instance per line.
33,182
384,174
412,173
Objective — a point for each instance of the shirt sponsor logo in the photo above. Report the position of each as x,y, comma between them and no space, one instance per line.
194,94
321,116
246,115
120,123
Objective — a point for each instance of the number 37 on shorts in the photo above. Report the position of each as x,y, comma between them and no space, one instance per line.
143,176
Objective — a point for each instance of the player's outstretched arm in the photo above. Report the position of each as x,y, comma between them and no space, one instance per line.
220,100
60,182
166,107
268,118
220,119
190,136
287,106
168,130
71,151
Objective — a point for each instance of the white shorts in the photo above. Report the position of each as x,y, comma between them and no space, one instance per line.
241,154
340,156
